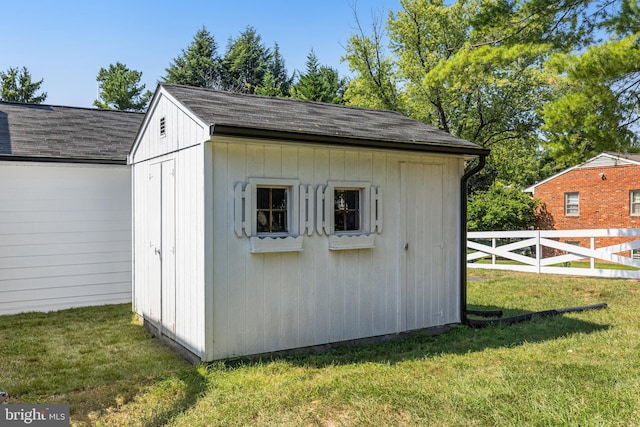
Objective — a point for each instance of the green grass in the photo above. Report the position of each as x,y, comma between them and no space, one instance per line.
576,369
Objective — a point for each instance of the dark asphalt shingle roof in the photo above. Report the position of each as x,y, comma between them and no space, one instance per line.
61,133
218,108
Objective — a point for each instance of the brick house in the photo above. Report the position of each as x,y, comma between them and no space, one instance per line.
601,193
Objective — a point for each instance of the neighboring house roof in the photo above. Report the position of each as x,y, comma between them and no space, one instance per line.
53,133
271,117
605,159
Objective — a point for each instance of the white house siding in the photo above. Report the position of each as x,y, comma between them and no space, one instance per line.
65,236
276,301
169,289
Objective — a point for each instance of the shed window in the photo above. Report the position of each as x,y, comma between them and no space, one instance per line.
347,209
274,213
635,202
572,204
271,212
350,213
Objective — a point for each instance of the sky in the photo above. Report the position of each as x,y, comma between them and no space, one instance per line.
66,42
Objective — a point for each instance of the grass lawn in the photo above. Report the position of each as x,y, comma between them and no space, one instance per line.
576,369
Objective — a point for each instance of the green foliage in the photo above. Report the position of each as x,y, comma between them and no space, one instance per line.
245,63
319,83
478,69
500,208
376,82
599,101
198,65
276,80
120,89
18,87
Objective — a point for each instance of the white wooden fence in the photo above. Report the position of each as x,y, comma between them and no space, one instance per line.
524,251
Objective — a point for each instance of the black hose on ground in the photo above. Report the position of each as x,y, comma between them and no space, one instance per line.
483,323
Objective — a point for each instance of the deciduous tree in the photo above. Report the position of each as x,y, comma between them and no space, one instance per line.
500,207
120,89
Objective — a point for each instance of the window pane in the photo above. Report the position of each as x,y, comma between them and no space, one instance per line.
353,220
271,215
263,198
279,223
635,202
347,209
279,198
572,203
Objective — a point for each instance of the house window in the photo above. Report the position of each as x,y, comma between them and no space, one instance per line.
572,204
347,210
635,202
271,210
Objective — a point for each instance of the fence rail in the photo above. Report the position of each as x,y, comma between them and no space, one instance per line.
547,251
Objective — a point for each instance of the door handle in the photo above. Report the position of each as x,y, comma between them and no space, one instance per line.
157,251
406,246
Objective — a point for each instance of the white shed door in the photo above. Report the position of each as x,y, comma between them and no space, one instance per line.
422,246
162,245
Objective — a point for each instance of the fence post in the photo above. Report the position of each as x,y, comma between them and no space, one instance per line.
593,248
493,245
538,251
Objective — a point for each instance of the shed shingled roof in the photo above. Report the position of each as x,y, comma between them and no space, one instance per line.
299,117
49,132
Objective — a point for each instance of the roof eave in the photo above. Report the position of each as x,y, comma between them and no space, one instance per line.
261,133
45,159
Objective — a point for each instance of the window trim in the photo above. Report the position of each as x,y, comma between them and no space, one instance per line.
298,215
370,215
365,214
567,205
292,204
631,202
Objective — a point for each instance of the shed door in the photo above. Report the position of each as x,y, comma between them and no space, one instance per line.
162,245
422,246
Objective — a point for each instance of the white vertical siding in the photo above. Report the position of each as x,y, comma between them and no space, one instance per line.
276,301
182,146
182,130
65,236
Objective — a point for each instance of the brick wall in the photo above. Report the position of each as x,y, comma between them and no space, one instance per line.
603,203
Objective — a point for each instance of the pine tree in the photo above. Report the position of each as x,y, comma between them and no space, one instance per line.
319,83
18,87
276,81
197,65
245,62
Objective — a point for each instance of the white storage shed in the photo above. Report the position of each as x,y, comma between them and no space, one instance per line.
264,224
65,207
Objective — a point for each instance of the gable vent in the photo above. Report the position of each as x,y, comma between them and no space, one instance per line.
163,126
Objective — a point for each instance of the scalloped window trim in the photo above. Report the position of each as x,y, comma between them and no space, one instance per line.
340,242
266,244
